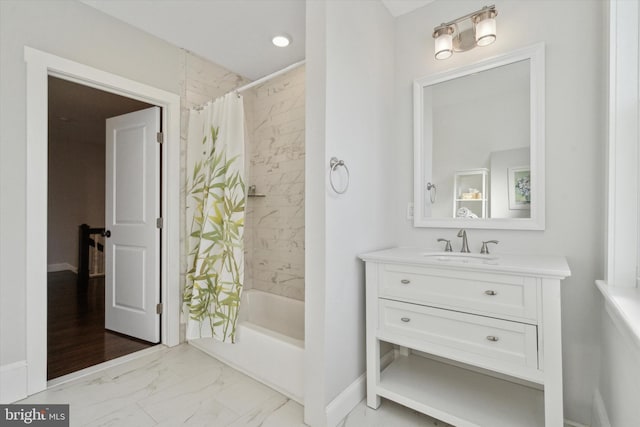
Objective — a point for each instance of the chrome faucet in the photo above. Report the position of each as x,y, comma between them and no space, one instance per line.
447,247
465,245
485,249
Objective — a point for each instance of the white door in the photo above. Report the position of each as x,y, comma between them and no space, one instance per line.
132,243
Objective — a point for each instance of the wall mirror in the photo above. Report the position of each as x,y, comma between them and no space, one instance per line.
479,144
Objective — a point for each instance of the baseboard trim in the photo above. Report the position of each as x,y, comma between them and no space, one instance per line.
13,382
63,266
599,418
569,423
344,403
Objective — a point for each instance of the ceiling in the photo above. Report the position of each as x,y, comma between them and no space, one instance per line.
233,33
400,7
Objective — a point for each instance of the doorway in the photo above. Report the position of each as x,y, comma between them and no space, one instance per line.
76,334
40,65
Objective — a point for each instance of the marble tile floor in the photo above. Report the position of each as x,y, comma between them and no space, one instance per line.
183,386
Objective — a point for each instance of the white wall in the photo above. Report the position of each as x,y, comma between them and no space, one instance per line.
80,33
349,115
575,149
315,215
616,400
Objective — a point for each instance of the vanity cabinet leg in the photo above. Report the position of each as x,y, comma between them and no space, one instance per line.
553,399
373,401
373,372
372,342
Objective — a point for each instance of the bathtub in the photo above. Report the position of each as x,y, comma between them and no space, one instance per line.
269,342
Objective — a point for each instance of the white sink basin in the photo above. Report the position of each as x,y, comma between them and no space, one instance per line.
460,257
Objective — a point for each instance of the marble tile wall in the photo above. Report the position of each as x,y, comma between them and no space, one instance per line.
274,233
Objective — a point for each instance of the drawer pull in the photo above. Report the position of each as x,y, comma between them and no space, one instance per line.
492,338
405,319
405,281
492,293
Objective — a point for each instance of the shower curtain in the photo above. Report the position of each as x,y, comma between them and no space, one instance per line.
215,218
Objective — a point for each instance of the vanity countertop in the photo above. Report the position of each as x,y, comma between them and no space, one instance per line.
535,265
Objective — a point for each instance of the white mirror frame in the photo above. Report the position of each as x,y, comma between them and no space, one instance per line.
536,55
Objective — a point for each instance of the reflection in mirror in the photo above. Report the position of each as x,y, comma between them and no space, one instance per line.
474,119
478,143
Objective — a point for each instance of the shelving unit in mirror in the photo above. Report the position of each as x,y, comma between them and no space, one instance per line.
471,193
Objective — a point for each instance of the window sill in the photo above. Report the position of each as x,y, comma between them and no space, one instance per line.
623,305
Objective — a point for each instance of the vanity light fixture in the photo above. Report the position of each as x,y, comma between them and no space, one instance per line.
454,37
444,42
281,40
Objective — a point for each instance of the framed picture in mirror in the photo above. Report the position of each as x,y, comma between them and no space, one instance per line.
519,188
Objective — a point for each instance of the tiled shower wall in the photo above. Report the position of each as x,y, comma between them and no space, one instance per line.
274,231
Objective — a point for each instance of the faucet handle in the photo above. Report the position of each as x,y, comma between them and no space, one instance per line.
447,247
485,249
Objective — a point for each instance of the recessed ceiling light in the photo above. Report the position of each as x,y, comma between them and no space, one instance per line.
281,40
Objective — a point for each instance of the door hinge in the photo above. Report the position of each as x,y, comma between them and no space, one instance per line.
160,137
159,223
159,308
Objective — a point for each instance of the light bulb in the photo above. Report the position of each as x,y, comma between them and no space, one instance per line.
281,40
486,30
443,43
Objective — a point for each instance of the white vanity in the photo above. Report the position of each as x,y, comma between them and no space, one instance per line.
479,336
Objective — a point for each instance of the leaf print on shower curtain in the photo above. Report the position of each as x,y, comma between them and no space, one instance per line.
215,218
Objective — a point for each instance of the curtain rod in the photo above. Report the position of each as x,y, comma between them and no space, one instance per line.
259,81
269,77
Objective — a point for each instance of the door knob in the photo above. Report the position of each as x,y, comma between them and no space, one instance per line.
106,233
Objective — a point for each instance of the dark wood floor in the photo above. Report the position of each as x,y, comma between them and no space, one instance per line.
76,335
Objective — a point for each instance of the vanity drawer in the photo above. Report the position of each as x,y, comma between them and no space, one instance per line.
466,335
483,293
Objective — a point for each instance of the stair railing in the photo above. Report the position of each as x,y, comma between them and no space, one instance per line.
91,254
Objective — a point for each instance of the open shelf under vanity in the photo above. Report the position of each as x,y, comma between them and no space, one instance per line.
460,396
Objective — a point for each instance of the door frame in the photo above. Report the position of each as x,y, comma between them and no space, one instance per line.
40,65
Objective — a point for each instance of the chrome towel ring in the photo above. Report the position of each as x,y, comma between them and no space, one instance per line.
334,163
